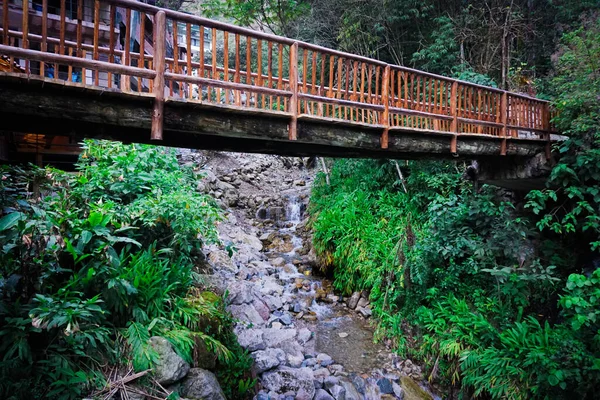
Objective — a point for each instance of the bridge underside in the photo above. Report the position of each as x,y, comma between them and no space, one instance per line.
36,106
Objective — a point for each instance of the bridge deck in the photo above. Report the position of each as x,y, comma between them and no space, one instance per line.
129,71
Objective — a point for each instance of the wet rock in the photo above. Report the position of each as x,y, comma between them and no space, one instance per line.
398,392
170,367
324,359
385,386
362,302
262,309
286,319
219,259
277,337
273,302
353,300
270,287
359,383
338,392
252,339
304,335
364,311
265,360
289,379
351,392
330,382
201,384
246,313
240,292
412,390
322,395
303,395
278,262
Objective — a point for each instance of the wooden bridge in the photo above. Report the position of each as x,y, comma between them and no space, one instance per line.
129,71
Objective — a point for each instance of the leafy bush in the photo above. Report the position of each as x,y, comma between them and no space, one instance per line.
94,263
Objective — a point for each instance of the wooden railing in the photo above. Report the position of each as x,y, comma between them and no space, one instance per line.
132,47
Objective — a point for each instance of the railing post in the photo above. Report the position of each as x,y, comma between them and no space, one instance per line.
503,120
454,114
546,128
385,93
160,30
293,128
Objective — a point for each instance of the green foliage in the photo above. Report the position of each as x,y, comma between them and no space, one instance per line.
97,263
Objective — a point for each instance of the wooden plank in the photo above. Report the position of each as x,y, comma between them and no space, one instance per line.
227,85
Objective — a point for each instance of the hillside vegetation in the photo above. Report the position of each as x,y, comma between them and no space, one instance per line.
498,295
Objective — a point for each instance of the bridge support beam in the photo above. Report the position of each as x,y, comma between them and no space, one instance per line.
160,29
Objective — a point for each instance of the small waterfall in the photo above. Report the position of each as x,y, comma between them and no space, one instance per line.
293,209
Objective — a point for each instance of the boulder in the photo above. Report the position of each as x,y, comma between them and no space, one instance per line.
240,292
324,359
352,301
304,335
170,367
265,360
219,259
201,384
385,386
351,392
362,302
398,392
246,313
277,337
252,339
338,392
285,379
322,395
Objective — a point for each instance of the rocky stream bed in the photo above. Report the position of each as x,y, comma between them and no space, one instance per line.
306,341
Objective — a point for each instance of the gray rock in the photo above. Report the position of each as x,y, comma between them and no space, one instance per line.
362,302
270,286
201,384
286,319
285,379
338,392
303,395
278,262
273,302
358,383
330,382
351,392
398,391
385,386
219,259
295,360
240,292
364,311
324,359
246,313
276,337
170,367
322,395
335,369
261,396
353,300
262,309
309,362
252,339
265,360
321,374
304,335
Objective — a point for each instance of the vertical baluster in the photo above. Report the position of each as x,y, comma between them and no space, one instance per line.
142,40
321,87
454,112
201,30
61,34
96,39
159,45
226,64
214,64
44,44
249,69
503,113
313,87
279,72
338,93
5,24
270,71
385,85
346,95
111,37
236,77
259,73
362,89
304,76
188,47
70,67
293,77
25,37
125,79
329,108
